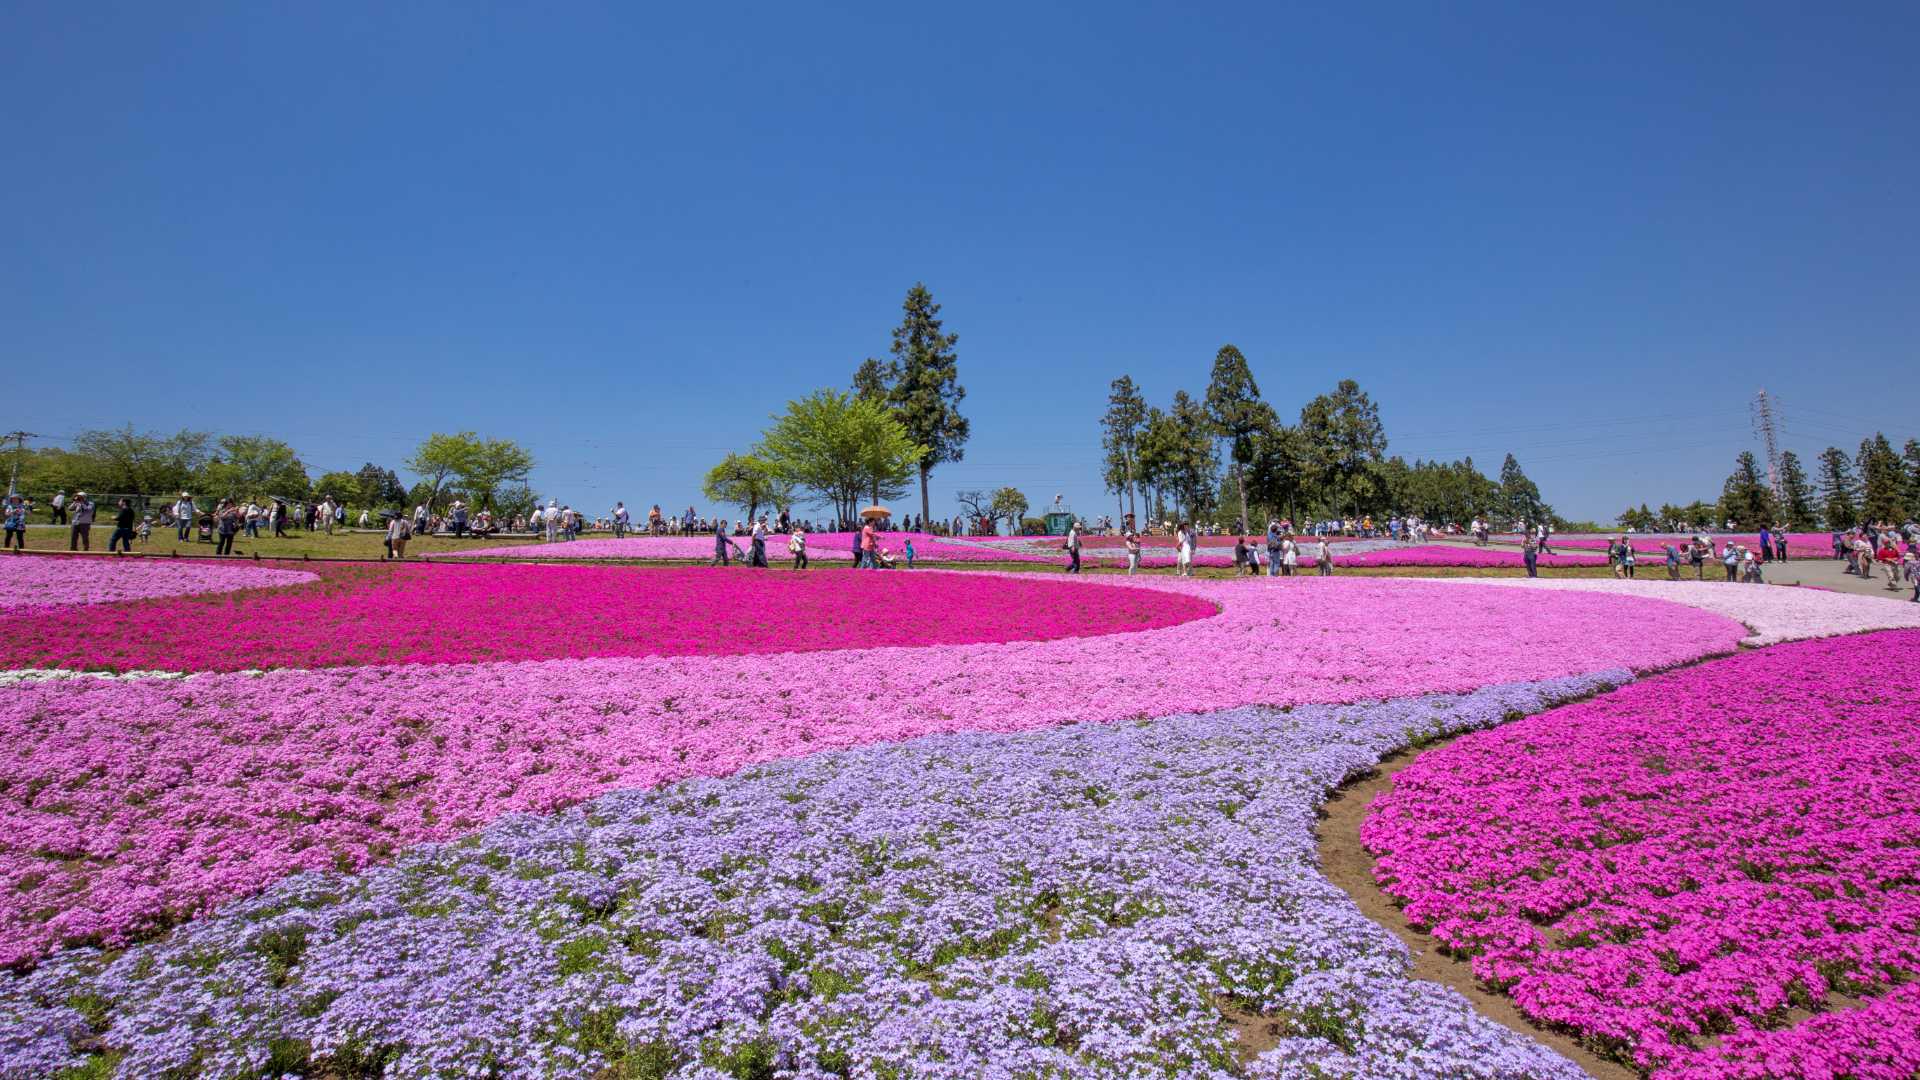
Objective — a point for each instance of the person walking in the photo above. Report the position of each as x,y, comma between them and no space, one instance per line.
1133,552
1289,556
1730,558
720,544
1627,558
1673,562
1273,548
869,546
758,538
122,538
15,520
1183,558
1073,548
797,546
58,508
399,531
907,550
80,532
621,517
1530,553
1324,558
183,515
551,519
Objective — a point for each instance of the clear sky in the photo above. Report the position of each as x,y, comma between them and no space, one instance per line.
625,234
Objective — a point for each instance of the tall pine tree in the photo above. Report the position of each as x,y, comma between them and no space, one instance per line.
1120,431
1911,461
1521,495
1237,413
1745,499
1796,496
1839,492
927,392
1882,481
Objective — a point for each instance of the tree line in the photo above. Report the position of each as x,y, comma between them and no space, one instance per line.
488,474
1873,485
842,449
1228,457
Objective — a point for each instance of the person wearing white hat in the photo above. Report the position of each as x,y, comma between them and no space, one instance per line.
183,515
80,534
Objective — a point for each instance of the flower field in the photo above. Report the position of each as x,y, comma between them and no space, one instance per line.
1655,885
827,548
1799,545
34,585
604,820
432,614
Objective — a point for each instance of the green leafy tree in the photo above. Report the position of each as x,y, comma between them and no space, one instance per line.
1839,491
1882,481
1010,506
926,392
492,469
745,481
1347,438
1796,494
340,486
253,466
1237,413
125,461
437,460
840,449
1120,431
1745,498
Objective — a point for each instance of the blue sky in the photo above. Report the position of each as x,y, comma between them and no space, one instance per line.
625,234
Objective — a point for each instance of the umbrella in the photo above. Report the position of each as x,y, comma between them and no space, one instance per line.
875,513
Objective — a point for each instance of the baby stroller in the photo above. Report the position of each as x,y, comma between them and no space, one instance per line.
206,528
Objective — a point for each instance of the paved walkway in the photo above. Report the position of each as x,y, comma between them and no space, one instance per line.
1825,573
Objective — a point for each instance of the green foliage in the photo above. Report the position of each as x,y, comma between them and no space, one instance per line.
1882,481
873,380
341,487
747,482
380,487
1745,498
1796,495
1010,506
1236,412
841,449
1519,496
1277,475
1440,492
124,461
1839,491
1120,431
1347,441
1910,463
926,392
481,470
255,467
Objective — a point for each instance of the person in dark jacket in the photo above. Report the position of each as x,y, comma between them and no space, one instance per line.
122,538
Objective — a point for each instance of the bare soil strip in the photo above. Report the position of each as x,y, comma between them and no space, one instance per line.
1349,865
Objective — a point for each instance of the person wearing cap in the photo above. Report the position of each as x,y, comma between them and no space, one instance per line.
15,518
80,533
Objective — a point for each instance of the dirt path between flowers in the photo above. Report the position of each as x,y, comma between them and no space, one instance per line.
1349,865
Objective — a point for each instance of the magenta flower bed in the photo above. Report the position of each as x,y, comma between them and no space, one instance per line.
1696,855
36,582
1439,555
128,804
1799,545
428,613
821,547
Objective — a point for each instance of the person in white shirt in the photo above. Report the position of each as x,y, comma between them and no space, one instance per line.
59,505
552,520
183,514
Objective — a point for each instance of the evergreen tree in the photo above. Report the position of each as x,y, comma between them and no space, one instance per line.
1911,461
1348,440
1796,495
1196,465
873,380
1520,496
1237,413
1882,481
1277,476
927,392
1839,492
1745,499
1120,431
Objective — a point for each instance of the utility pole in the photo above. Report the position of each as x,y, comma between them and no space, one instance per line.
20,450
1765,427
